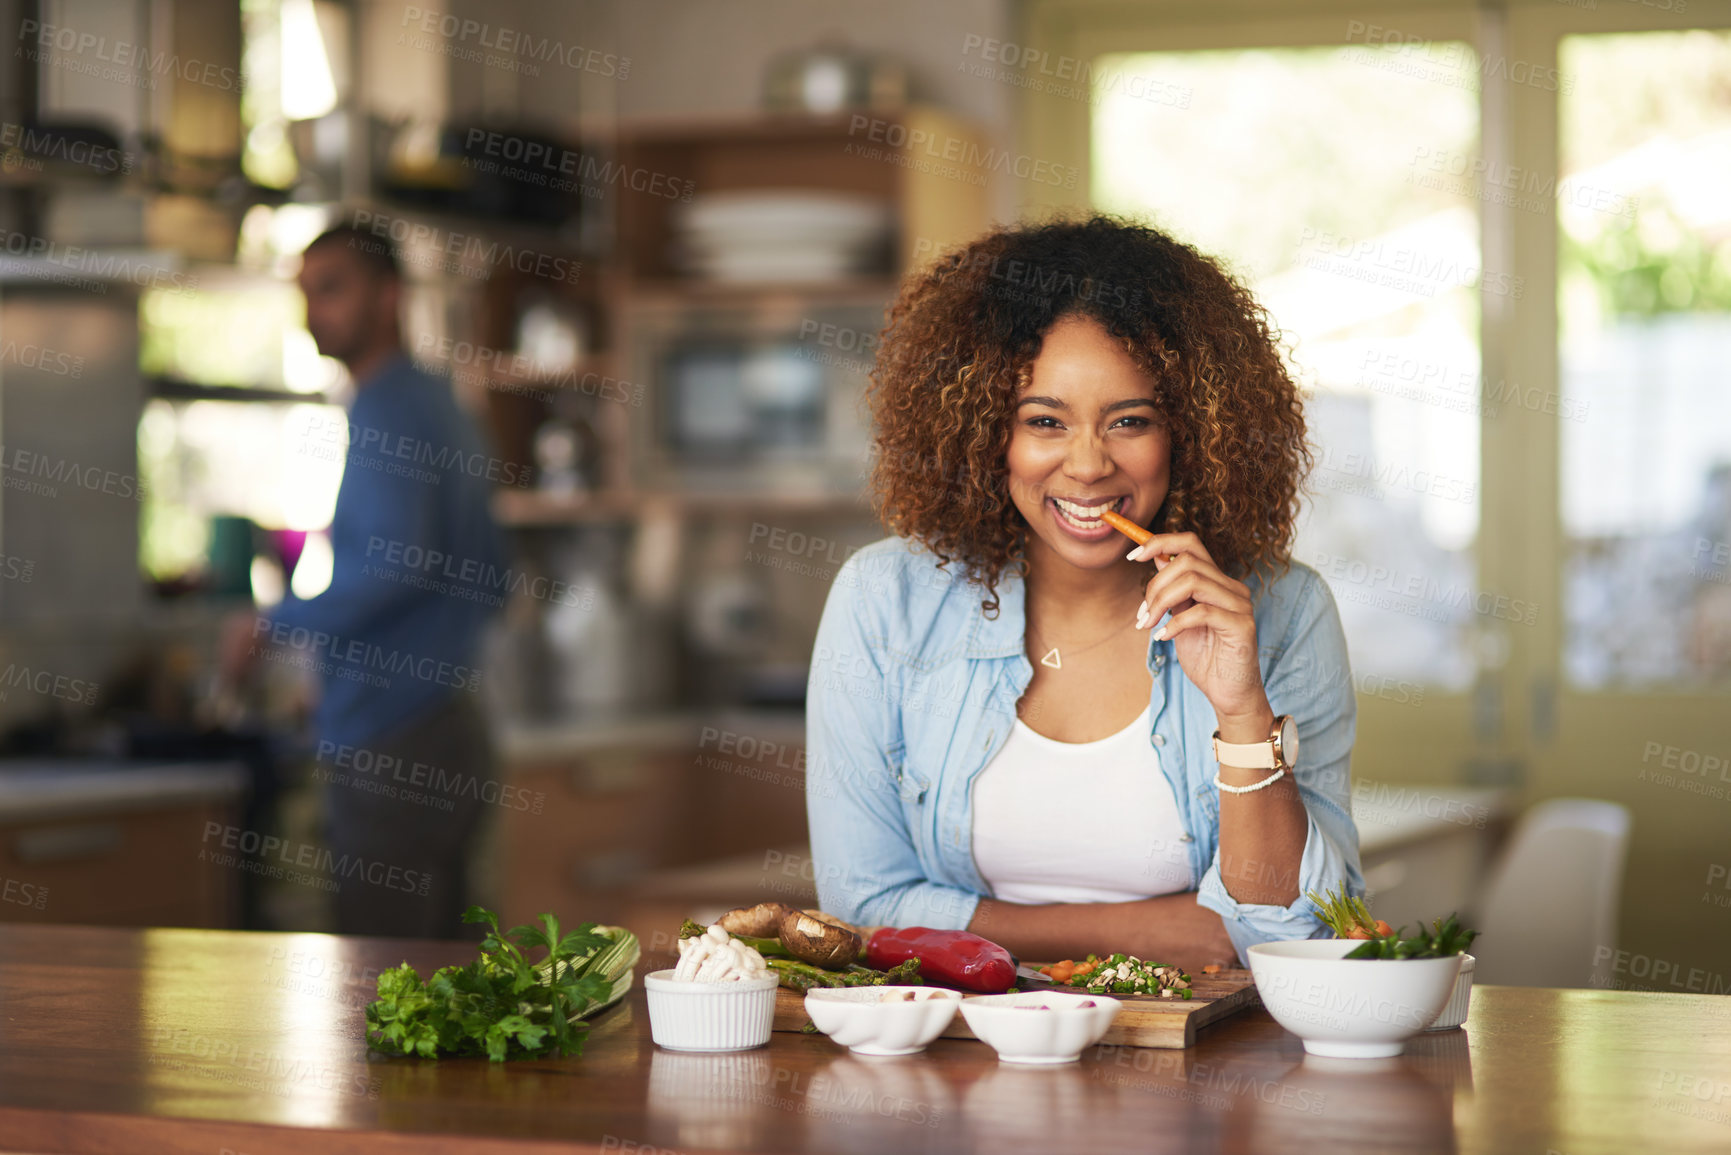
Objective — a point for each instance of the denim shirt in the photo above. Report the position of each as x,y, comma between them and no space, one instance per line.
913,691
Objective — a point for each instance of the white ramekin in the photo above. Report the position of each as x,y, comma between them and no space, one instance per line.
687,1016
1454,1012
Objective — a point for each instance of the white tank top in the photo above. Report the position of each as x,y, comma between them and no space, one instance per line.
1078,821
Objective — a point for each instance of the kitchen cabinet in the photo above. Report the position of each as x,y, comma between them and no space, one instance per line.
598,809
119,845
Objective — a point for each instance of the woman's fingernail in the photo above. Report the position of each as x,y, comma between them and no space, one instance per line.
1160,634
1142,621
1134,555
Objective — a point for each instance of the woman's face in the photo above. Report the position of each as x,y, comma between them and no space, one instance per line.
1086,438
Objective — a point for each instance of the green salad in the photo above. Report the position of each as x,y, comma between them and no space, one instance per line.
1122,974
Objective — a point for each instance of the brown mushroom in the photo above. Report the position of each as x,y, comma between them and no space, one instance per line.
760,921
820,939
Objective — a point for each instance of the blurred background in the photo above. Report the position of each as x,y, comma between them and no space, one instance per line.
651,244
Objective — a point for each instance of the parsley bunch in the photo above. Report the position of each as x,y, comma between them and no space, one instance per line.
502,1005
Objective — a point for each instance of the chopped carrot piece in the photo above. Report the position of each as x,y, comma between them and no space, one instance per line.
1211,969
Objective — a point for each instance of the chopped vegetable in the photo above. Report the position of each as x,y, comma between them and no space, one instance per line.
501,1005
1446,937
919,996
1123,974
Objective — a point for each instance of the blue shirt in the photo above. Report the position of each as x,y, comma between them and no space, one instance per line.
419,565
913,691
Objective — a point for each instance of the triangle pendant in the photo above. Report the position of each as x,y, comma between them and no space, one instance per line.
1052,660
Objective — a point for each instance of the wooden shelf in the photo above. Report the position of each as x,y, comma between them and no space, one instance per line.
680,292
923,162
527,509
642,303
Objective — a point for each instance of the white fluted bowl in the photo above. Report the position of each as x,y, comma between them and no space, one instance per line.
686,1016
1015,1027
859,1019
1350,1008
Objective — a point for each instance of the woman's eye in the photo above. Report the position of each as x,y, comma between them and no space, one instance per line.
1044,423
1133,422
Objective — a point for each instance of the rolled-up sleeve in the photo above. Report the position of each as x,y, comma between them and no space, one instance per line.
1311,679
866,863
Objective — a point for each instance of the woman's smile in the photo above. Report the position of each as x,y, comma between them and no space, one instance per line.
1080,517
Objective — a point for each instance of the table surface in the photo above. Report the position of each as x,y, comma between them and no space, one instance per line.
199,1041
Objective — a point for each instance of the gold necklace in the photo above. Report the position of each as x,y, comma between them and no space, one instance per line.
1054,661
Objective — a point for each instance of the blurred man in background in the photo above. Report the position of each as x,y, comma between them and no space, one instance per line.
403,749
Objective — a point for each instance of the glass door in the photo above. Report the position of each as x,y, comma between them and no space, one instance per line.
1642,547
1499,240
1331,172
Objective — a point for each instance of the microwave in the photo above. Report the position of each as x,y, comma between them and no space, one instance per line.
748,399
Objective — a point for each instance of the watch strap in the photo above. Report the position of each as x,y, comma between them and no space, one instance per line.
1252,755
1244,755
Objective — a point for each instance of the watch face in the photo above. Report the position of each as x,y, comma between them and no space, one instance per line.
1289,741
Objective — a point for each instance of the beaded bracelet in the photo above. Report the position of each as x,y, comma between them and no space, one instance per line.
1253,787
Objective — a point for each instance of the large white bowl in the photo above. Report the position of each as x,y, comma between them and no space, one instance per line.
687,1016
1349,1008
1021,1033
859,1019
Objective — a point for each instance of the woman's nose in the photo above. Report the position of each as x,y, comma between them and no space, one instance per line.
1087,459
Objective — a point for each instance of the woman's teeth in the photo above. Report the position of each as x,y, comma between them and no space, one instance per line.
1085,516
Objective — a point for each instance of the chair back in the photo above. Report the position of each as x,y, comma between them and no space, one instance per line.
1548,917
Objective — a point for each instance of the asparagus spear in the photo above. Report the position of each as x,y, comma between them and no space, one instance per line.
802,977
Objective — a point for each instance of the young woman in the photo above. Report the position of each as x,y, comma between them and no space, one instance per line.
1020,726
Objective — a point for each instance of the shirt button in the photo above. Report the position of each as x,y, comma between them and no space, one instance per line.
1159,739
1185,838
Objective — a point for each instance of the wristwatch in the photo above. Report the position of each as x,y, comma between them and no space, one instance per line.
1278,752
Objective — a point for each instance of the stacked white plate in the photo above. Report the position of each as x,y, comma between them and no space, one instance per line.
780,235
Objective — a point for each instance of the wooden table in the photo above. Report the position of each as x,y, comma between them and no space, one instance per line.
132,1042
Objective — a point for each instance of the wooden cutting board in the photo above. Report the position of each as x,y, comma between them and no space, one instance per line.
1144,1021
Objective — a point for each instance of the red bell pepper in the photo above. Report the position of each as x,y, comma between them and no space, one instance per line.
952,958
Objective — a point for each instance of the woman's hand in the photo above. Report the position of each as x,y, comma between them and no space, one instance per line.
1212,628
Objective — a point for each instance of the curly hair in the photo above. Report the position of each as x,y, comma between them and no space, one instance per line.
960,342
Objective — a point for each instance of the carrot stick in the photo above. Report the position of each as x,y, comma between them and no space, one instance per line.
1128,528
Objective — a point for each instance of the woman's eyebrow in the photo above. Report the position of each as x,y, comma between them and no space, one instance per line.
1054,403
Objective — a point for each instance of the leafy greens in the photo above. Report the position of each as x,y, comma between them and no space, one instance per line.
1446,937
502,1005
